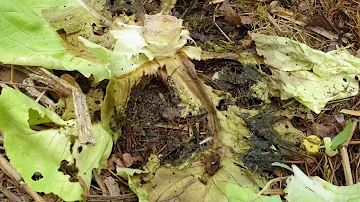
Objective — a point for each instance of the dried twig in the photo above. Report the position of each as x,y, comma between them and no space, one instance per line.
33,92
100,182
111,198
12,77
217,26
268,184
345,157
83,121
11,196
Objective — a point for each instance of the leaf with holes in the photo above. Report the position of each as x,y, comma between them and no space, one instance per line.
310,76
40,153
230,183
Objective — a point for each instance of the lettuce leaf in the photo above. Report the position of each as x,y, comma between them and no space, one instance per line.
310,76
27,39
39,155
303,188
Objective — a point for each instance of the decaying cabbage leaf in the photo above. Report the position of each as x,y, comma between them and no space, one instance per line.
303,188
310,76
27,38
161,36
40,155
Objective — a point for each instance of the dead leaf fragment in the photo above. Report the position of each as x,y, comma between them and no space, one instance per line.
230,14
212,163
246,20
128,159
323,22
114,160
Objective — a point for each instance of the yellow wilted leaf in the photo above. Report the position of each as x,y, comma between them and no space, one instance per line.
312,144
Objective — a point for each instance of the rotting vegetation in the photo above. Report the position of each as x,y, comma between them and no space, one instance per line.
180,128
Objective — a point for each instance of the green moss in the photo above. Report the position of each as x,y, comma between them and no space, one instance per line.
218,49
261,11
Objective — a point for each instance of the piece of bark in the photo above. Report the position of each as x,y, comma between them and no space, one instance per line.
64,89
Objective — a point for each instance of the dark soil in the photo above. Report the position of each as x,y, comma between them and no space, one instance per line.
155,127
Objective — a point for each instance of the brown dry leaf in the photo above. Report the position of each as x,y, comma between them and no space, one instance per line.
114,160
70,79
246,20
329,127
230,14
5,75
128,159
321,21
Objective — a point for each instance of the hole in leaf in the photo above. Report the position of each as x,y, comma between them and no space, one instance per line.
80,149
69,169
222,106
37,176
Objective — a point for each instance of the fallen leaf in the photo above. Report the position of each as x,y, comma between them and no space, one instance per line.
302,188
114,160
41,153
310,76
246,20
128,159
230,183
312,144
342,136
321,21
230,14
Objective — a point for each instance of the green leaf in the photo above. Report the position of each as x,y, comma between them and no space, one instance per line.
27,39
41,153
327,145
303,188
342,136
